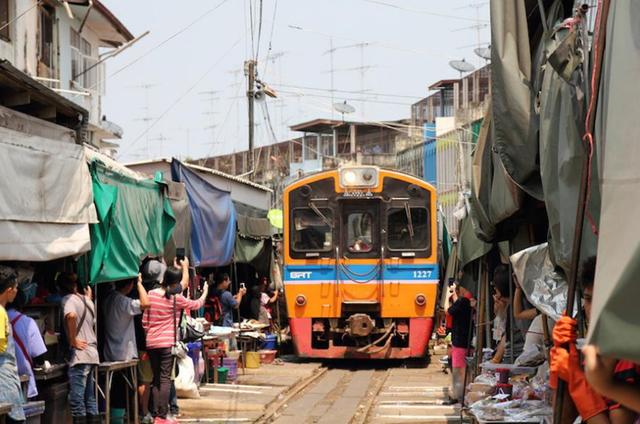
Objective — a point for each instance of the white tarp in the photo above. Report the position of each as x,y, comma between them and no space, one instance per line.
46,198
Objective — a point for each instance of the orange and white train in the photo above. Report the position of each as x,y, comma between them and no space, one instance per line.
360,263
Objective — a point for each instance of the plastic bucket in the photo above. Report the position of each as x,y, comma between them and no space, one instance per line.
222,375
253,360
232,365
270,342
267,356
117,415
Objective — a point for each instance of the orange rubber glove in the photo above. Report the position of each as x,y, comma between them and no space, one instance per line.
559,366
566,366
564,331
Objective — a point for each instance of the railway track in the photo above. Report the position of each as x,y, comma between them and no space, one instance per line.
359,392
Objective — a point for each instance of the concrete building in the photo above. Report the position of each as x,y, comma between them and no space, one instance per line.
450,120
61,46
324,144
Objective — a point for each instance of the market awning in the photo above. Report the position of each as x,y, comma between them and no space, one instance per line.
253,243
46,202
136,220
213,216
615,321
181,236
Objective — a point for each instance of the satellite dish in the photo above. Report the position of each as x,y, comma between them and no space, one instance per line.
462,66
344,108
483,52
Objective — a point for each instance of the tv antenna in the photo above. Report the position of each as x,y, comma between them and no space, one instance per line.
362,68
146,118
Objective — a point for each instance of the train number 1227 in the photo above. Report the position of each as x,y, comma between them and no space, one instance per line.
422,273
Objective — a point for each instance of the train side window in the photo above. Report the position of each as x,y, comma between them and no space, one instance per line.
311,233
359,232
399,232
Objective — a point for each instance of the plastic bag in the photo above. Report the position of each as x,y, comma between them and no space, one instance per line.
184,382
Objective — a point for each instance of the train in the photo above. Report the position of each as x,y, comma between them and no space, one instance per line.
360,263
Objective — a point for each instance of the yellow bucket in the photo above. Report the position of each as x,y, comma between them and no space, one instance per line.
253,360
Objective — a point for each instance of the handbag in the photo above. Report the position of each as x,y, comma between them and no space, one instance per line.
190,329
179,349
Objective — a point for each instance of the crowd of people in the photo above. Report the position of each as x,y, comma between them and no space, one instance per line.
140,320
604,390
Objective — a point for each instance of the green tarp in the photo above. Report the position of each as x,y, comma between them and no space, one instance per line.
135,220
253,244
562,150
615,321
495,197
470,247
511,93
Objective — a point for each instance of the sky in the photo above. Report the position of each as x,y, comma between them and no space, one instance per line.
181,91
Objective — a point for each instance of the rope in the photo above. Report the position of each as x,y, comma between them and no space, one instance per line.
588,134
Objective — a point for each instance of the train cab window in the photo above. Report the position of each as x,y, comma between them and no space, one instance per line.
408,229
359,232
312,231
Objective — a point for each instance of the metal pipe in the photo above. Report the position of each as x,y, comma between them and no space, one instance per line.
561,391
86,16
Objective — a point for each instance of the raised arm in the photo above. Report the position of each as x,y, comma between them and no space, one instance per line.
142,294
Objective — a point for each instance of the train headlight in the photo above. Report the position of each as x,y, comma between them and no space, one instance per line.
359,177
301,300
421,300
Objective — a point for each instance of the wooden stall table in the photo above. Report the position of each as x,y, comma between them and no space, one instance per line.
247,341
24,385
210,343
51,373
124,367
5,408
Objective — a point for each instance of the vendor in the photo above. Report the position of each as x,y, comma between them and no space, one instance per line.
30,347
502,301
79,325
565,364
120,338
10,391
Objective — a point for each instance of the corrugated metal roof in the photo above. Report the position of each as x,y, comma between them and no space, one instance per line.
207,170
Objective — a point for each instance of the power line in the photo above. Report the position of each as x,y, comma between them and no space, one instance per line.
423,12
186,28
385,45
259,31
185,94
353,99
346,91
273,25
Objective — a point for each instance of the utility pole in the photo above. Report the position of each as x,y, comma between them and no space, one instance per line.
250,73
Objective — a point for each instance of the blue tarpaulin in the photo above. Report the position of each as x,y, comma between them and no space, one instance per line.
213,215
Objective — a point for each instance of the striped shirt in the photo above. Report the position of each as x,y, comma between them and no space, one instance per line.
159,322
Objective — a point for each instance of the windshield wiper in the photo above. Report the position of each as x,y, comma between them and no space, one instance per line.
407,210
320,214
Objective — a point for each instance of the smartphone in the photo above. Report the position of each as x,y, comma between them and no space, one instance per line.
242,286
180,254
452,281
